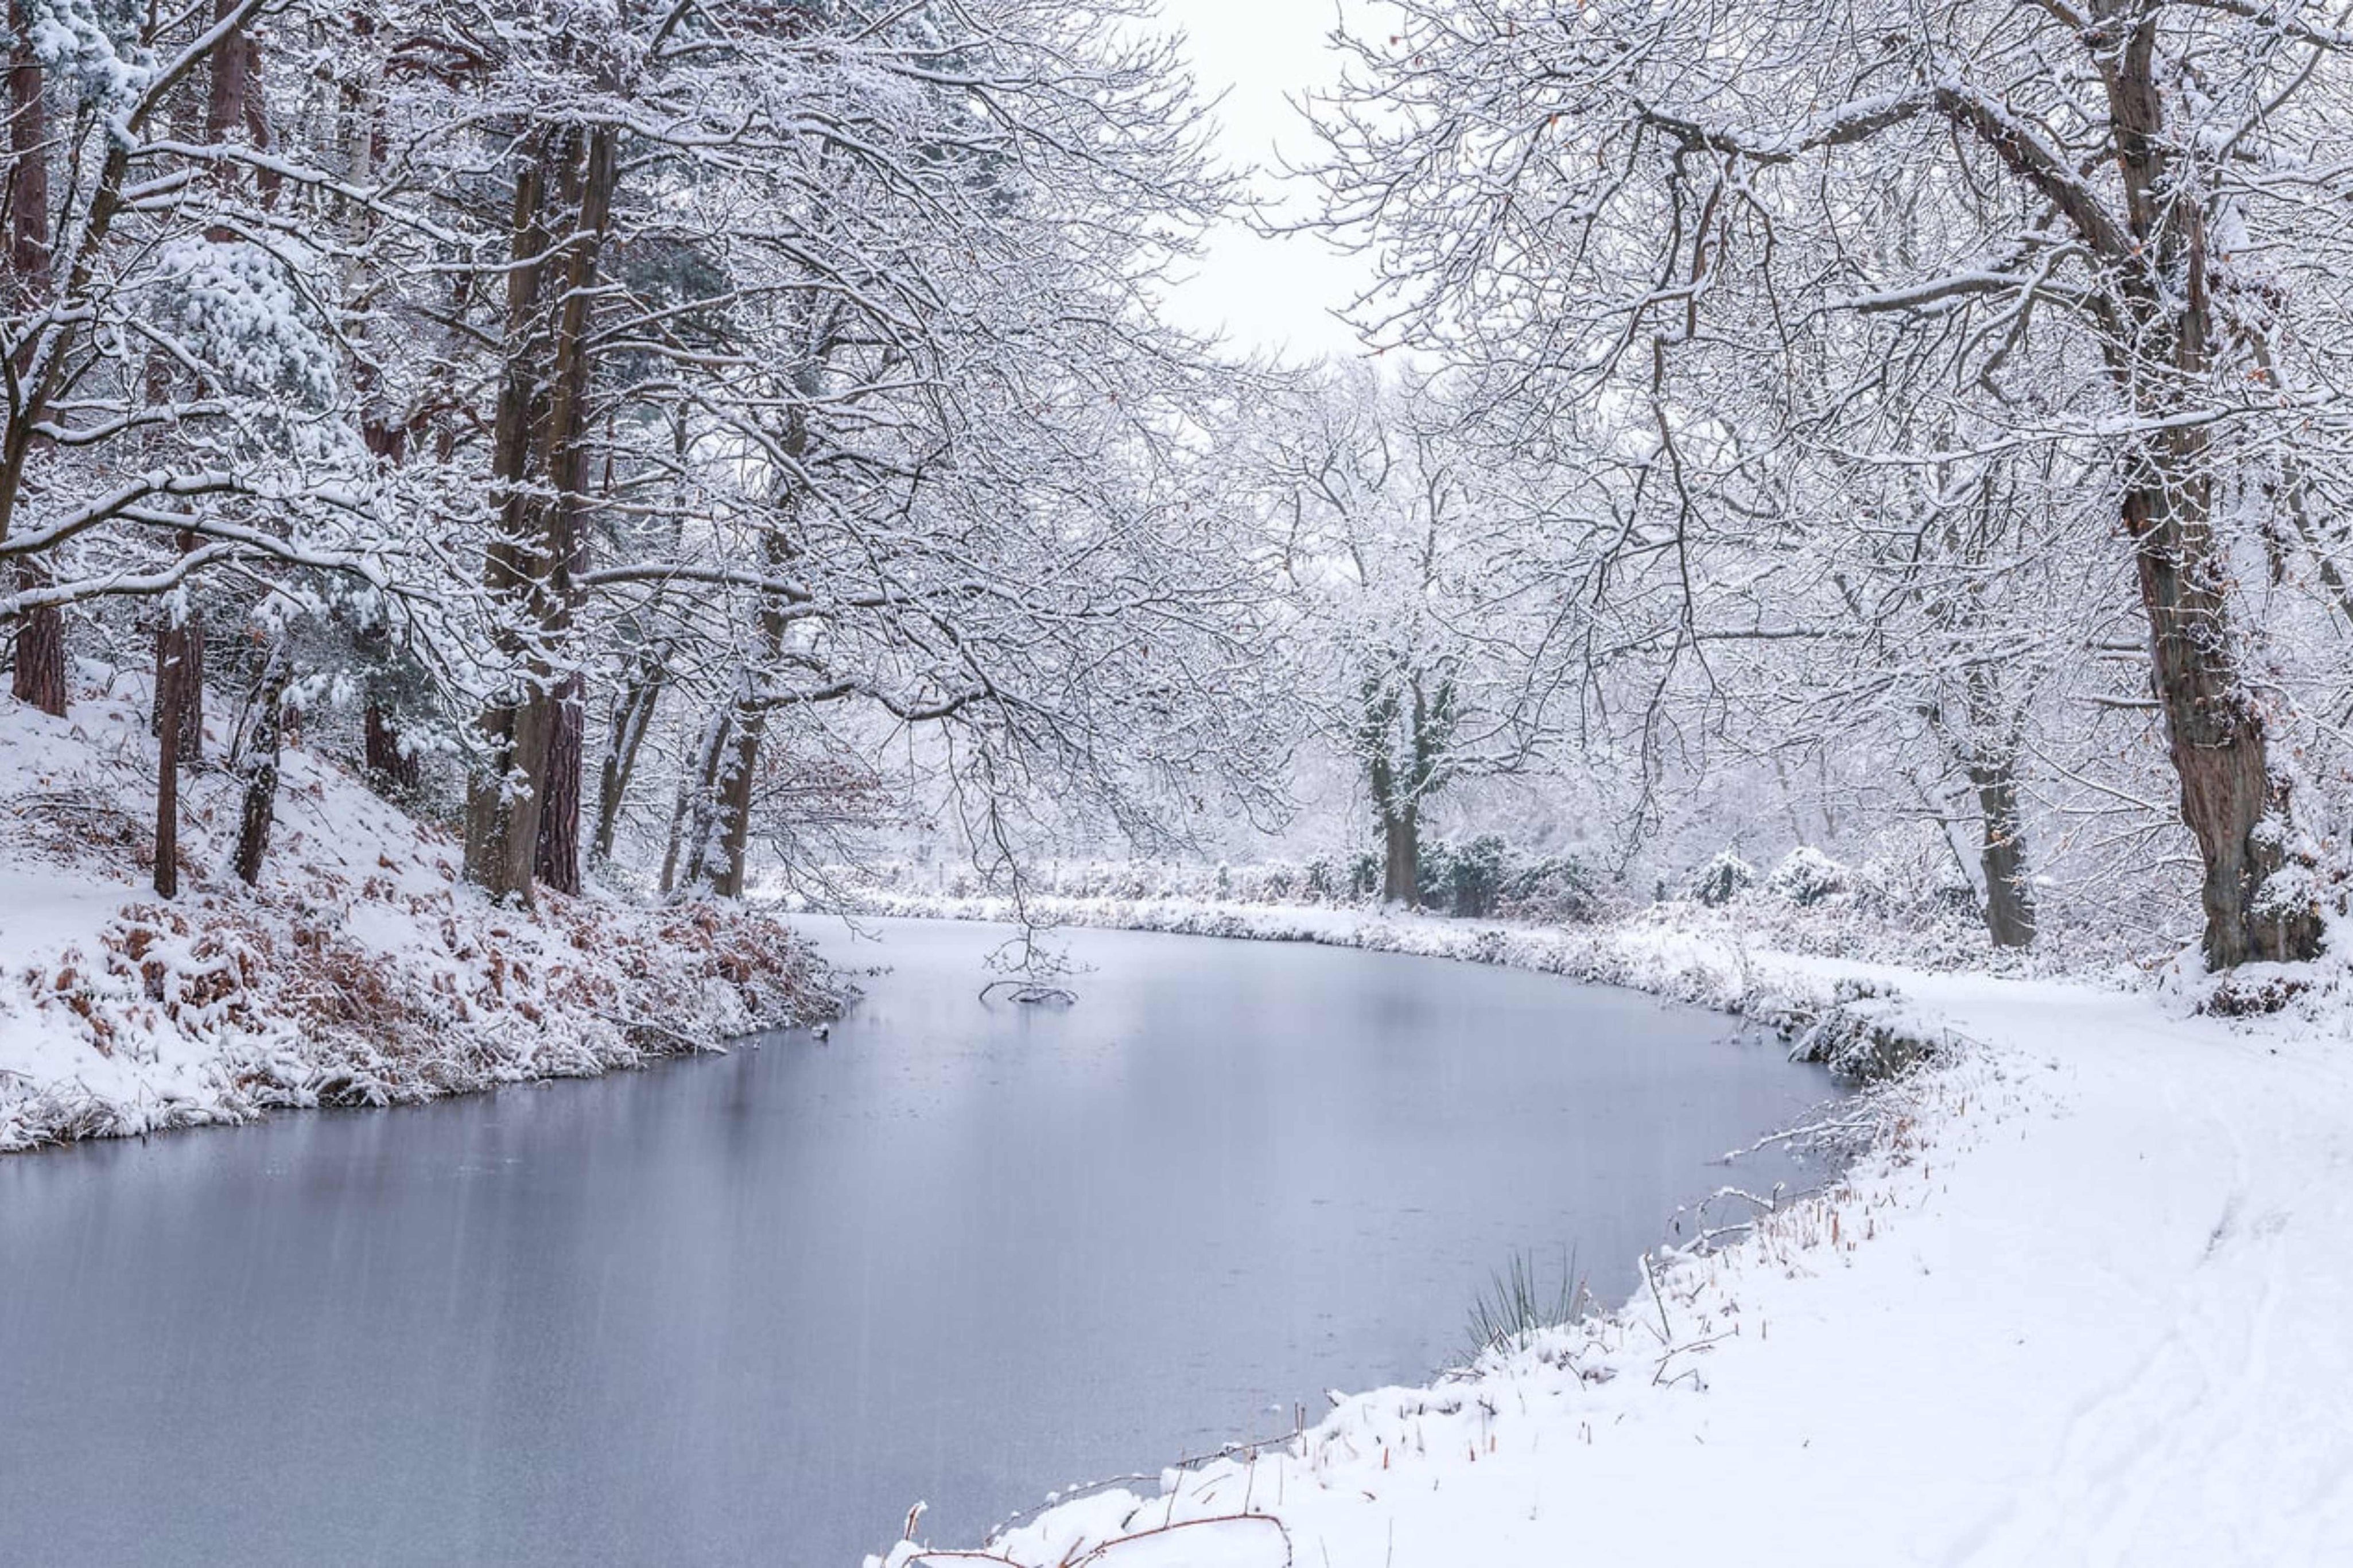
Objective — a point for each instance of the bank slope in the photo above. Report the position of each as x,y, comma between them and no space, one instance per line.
2081,1299
359,971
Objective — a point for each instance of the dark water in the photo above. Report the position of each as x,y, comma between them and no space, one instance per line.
747,1309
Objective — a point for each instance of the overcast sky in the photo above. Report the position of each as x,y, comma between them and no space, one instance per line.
1276,294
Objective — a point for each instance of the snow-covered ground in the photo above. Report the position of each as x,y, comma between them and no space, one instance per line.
2080,1299
360,971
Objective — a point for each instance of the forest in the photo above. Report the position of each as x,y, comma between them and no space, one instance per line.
663,438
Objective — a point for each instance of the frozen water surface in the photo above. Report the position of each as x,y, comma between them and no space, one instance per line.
721,1310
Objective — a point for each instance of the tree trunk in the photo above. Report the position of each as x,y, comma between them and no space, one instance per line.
2232,804
2008,896
721,847
690,822
563,203
187,688
558,860
391,765
225,99
1401,860
732,795
633,713
40,673
259,810
168,673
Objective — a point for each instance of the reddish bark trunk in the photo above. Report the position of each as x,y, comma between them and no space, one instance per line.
539,433
187,689
387,762
41,674
558,860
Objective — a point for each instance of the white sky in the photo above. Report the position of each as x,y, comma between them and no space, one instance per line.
1263,293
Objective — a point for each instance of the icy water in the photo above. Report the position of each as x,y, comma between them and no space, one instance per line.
747,1310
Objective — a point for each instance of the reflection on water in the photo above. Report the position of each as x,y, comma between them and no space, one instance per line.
747,1309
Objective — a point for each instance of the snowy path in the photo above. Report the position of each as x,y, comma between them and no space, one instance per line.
2087,1307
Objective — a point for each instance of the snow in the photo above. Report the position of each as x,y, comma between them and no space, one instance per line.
2079,1300
362,971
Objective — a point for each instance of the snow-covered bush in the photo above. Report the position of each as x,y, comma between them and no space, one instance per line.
1483,878
1870,1032
1475,874
1806,877
1723,878
1553,888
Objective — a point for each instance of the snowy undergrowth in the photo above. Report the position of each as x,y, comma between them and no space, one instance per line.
2076,1298
360,971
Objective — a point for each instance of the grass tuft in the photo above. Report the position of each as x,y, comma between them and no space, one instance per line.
1517,1306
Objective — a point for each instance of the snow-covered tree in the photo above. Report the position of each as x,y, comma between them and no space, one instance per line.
1684,207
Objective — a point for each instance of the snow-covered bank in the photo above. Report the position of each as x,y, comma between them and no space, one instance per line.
359,971
2079,1300
1823,1003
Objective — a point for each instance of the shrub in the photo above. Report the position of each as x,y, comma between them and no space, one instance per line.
1476,875
1723,878
1806,876
1551,887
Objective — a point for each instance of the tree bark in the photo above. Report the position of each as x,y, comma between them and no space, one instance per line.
690,822
387,762
225,98
187,688
2233,802
39,677
2008,896
633,713
732,794
562,201
259,811
1401,857
558,860
721,847
168,673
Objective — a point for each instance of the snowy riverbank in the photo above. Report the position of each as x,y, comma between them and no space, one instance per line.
359,971
1708,957
2078,1301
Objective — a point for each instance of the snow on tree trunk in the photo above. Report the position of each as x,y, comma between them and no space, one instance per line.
633,713
2008,896
690,822
257,810
2233,804
564,192
732,797
2233,800
1401,858
388,761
